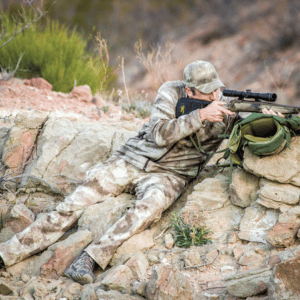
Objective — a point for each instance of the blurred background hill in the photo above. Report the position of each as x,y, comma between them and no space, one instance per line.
253,44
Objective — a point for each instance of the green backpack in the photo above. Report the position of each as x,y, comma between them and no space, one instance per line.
263,134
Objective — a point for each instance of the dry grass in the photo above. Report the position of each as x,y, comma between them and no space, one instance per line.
102,49
280,77
156,61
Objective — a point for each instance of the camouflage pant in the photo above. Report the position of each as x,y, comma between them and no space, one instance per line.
155,193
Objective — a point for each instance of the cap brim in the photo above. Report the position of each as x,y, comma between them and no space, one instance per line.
208,88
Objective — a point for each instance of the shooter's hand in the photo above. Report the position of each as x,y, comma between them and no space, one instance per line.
214,112
266,111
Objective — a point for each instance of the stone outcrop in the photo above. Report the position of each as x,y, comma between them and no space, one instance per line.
254,221
283,168
39,83
83,93
65,150
209,205
167,282
285,281
249,283
243,189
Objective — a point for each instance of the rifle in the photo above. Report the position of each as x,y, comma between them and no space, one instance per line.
186,105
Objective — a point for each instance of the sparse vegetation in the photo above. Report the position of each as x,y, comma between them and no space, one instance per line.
138,106
56,54
156,61
188,235
105,108
21,22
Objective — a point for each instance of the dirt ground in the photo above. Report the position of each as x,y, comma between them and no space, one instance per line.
15,95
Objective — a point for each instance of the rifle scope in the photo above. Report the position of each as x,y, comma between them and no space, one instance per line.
271,97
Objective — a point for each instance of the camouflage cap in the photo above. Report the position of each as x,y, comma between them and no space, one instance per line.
203,76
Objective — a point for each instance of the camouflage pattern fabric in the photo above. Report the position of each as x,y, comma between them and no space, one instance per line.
155,193
165,139
203,76
156,164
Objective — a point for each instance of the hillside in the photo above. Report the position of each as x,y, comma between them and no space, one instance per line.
48,141
253,44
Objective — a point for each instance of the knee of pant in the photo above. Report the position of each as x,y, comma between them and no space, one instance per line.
144,209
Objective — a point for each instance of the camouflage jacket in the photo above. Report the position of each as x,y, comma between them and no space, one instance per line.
164,144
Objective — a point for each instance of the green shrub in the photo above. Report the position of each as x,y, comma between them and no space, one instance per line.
54,53
187,235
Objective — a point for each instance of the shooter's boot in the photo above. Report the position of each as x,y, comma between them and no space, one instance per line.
81,270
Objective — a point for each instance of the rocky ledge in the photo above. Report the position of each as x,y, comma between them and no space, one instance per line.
254,220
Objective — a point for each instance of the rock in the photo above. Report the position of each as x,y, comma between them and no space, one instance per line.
25,277
112,295
139,242
209,206
82,93
258,298
195,256
30,266
19,218
20,143
244,187
118,279
169,241
284,284
211,256
138,265
139,287
168,283
41,288
38,202
6,234
256,222
73,291
67,149
283,234
6,289
64,253
283,167
88,293
211,193
99,217
251,255
283,193
4,135
253,258
39,83
249,283
221,222
128,117
278,196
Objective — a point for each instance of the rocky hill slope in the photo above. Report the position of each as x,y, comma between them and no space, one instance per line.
254,220
253,46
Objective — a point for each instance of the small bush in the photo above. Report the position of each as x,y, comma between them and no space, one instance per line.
140,107
54,53
187,235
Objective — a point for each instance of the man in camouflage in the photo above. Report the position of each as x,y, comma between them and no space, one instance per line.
157,164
